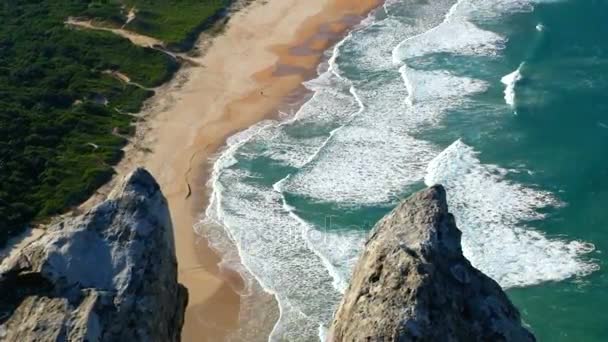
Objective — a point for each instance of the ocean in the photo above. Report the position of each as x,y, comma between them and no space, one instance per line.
503,102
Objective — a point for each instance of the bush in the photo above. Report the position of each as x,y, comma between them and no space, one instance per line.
49,122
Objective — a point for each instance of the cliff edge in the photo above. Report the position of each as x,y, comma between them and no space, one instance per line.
412,283
107,275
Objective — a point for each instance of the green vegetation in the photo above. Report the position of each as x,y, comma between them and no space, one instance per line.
63,118
177,23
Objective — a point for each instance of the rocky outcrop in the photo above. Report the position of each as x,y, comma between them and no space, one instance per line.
412,283
107,275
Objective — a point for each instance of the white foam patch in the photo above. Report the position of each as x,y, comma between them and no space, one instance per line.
374,158
361,166
272,245
419,16
294,142
427,86
510,81
370,159
458,33
481,10
279,248
491,212
491,10
370,49
454,36
338,249
290,151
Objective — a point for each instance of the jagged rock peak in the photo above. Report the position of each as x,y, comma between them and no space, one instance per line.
107,275
412,283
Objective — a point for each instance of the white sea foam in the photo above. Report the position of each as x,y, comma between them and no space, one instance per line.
367,161
294,142
371,49
373,158
361,166
510,81
433,86
273,247
353,144
457,37
491,211
458,34
278,247
337,249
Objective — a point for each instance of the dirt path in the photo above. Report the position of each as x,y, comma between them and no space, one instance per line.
135,38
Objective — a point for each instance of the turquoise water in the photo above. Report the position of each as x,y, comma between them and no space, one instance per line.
500,101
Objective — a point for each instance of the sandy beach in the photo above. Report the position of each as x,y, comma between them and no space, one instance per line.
247,72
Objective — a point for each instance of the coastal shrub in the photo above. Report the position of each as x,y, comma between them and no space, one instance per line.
63,117
175,22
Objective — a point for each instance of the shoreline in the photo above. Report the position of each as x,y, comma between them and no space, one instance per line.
260,59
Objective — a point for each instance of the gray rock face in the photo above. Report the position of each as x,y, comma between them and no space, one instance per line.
108,275
412,283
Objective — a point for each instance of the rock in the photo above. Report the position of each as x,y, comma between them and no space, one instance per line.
107,275
412,283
